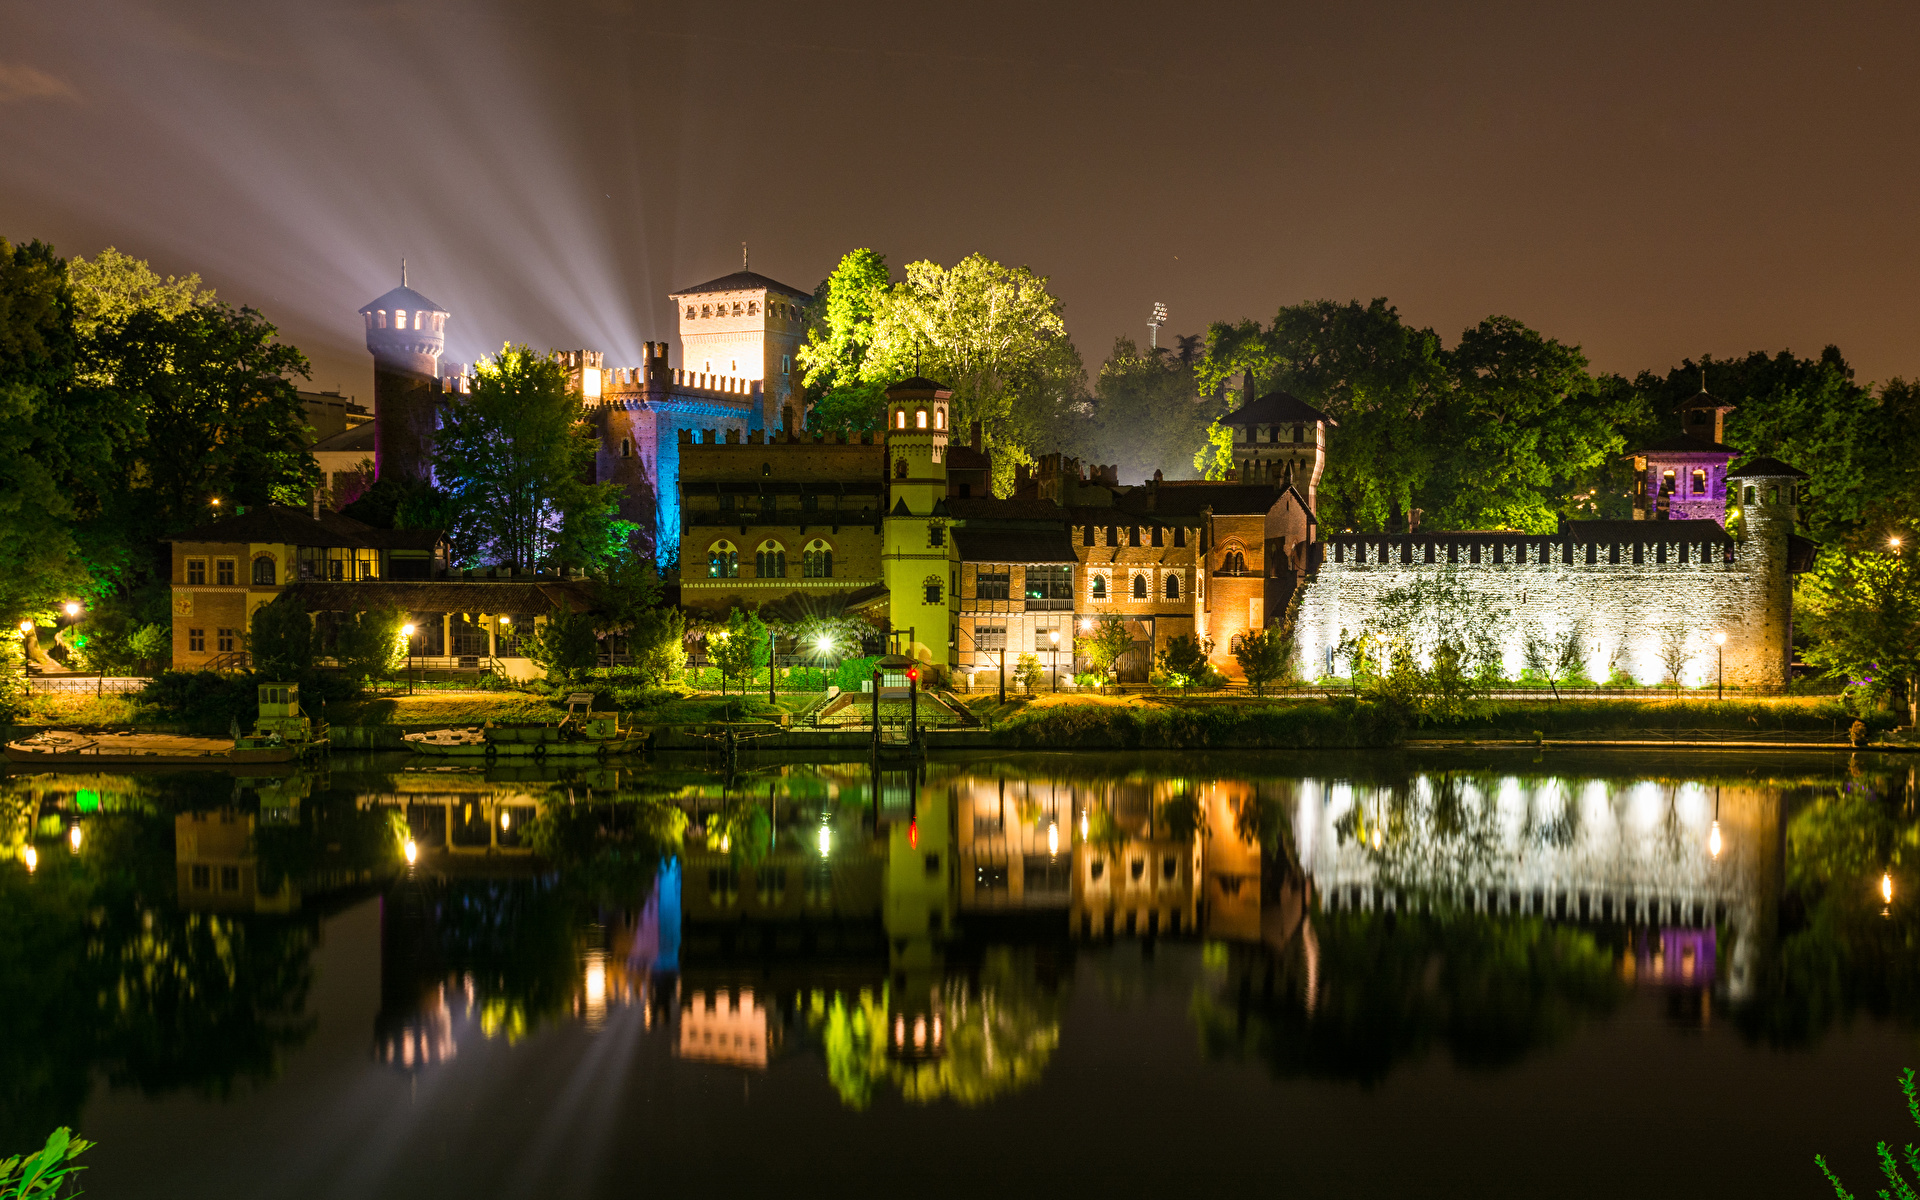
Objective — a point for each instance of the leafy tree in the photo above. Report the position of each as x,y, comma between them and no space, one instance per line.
840,335
111,288
1558,658
1184,662
1103,647
1863,609
512,453
1673,647
563,644
1214,459
1890,1164
628,602
1147,412
281,638
741,648
369,645
1028,673
1265,657
402,503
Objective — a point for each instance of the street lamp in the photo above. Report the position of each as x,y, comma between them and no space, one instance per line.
1053,636
73,609
1894,541
1154,323
772,667
1720,655
406,631
26,655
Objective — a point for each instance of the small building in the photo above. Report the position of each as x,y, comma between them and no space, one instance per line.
1684,478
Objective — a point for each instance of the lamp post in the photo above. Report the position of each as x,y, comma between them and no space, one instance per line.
1053,636
1720,655
26,654
771,666
406,631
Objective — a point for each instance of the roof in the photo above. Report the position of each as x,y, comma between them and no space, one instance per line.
1276,408
1706,399
966,458
1014,545
360,437
1686,443
742,281
1702,530
1766,468
919,383
1015,508
443,596
1191,498
402,297
297,526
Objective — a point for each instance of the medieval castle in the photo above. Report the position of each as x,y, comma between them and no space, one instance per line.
717,465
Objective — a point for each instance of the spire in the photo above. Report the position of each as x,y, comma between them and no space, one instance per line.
403,271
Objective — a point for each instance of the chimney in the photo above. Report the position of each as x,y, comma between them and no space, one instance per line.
1156,477
974,438
1020,476
1246,397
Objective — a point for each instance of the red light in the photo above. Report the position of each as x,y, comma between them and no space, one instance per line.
913,674
913,833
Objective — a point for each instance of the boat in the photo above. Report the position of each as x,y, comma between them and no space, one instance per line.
582,733
281,735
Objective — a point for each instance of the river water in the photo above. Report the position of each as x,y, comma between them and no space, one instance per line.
1460,973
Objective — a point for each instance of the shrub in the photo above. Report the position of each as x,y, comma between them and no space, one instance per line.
281,638
854,673
1028,675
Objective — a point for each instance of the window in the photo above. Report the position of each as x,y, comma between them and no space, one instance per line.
202,877
786,364
816,561
990,637
197,641
229,879
933,590
939,418
1233,563
900,419
753,308
900,468
995,584
770,561
1173,586
1050,581
723,561
196,570
1180,535
690,313
1699,483
1097,587
1666,483
626,447
706,310
1139,587
1750,493
919,418
226,640
400,319
263,572
1299,433
224,571
936,534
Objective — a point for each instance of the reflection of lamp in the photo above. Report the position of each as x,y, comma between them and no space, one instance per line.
406,631
1886,887
1720,655
30,856
1713,840
73,838
412,851
1053,837
505,820
826,841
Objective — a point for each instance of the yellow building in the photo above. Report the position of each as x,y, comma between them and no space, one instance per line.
916,557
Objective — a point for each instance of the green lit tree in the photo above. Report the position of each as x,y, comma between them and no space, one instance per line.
1862,608
1103,647
740,648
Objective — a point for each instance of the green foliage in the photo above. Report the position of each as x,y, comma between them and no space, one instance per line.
512,454
628,603
1331,723
204,701
741,648
1890,1165
48,1170
281,639
399,502
1147,411
841,326
853,674
1103,647
1028,674
1214,459
113,287
1184,663
1559,657
1265,658
564,643
369,645
1863,610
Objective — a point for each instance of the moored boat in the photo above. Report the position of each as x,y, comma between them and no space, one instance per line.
281,735
582,733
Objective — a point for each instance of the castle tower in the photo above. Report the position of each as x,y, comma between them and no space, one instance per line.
744,326
914,551
405,334
1684,478
1280,431
1765,500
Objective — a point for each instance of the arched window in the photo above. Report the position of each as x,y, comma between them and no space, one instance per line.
753,308
400,318
723,561
939,418
690,312
816,561
770,561
737,310
1233,563
1173,587
900,469
263,572
1139,587
1699,483
1097,587
919,418
706,310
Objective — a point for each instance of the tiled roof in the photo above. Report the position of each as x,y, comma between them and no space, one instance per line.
1014,545
443,596
742,281
297,526
402,298
1766,468
1276,408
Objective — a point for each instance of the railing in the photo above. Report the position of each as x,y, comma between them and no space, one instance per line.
230,663
72,685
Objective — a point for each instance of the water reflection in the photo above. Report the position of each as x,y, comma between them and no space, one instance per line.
915,929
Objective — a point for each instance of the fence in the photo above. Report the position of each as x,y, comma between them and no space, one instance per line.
85,685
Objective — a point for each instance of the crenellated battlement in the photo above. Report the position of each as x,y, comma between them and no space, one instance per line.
778,437
1580,543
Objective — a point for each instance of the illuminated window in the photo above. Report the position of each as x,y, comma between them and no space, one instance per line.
225,571
816,561
770,561
900,419
400,319
196,570
753,308
919,418
1173,587
1699,483
1666,483
263,572
939,418
382,314
1097,587
1139,587
723,561
197,641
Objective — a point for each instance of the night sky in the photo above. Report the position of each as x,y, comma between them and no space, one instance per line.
1650,180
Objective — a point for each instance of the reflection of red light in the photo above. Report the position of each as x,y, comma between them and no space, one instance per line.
913,833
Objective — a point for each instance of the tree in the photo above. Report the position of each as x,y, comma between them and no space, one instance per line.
1560,657
564,643
1863,610
369,645
1889,1161
739,649
1104,646
1184,662
628,603
1265,657
1147,413
1673,648
1028,673
281,638
113,287
511,455
840,334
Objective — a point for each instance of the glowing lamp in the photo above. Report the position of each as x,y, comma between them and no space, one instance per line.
26,627
1086,624
1054,636
1719,637
1894,542
1713,840
826,841
1886,888
74,837
412,851
216,502
31,857
825,644
506,819
913,674
406,631
506,620
73,610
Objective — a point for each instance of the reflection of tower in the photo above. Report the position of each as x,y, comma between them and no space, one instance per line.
405,333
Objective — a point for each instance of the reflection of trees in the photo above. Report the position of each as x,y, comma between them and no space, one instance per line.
1841,949
1001,1028
1393,988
